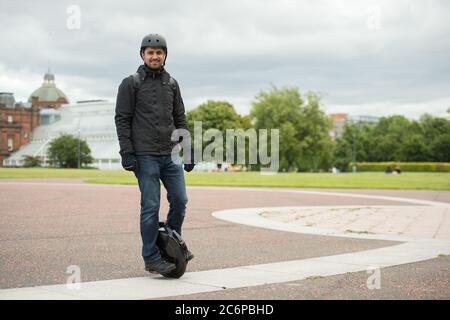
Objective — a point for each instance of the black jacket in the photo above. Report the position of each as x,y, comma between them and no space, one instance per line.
146,116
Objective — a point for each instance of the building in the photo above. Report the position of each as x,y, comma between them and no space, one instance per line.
92,121
363,119
28,129
48,95
17,121
339,121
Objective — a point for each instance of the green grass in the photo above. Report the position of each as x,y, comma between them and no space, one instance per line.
50,173
365,180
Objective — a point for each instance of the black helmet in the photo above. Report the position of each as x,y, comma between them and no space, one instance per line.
154,40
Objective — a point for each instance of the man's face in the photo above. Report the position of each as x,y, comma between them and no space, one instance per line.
153,57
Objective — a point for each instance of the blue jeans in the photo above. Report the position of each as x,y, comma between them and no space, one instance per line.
152,168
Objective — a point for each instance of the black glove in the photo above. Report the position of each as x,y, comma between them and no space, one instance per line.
129,162
189,167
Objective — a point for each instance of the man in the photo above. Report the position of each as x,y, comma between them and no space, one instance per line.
149,108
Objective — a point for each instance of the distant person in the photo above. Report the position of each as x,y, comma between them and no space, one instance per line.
388,170
397,169
149,108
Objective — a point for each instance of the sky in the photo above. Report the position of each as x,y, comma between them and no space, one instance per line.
364,57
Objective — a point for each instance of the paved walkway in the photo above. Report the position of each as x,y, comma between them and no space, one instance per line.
411,221
61,229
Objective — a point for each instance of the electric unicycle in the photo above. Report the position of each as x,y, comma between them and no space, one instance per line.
173,249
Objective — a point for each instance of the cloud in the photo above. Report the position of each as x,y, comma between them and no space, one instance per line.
360,53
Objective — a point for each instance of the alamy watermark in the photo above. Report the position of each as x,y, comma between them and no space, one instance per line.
374,281
74,17
262,148
74,280
373,17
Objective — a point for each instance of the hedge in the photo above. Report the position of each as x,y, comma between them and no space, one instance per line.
404,166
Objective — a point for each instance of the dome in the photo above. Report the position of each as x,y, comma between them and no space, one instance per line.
48,92
49,77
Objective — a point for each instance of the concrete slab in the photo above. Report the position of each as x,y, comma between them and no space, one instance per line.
249,275
246,276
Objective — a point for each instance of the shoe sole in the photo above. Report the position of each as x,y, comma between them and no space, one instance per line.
161,272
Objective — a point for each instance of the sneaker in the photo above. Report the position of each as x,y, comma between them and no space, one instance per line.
161,266
190,256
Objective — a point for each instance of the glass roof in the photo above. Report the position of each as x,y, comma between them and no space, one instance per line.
93,121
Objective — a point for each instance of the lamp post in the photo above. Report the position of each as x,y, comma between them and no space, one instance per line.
78,148
354,150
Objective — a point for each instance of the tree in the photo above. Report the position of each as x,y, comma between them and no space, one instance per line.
280,109
432,127
396,138
314,131
305,143
343,152
219,115
63,152
31,161
440,148
289,148
414,149
388,136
